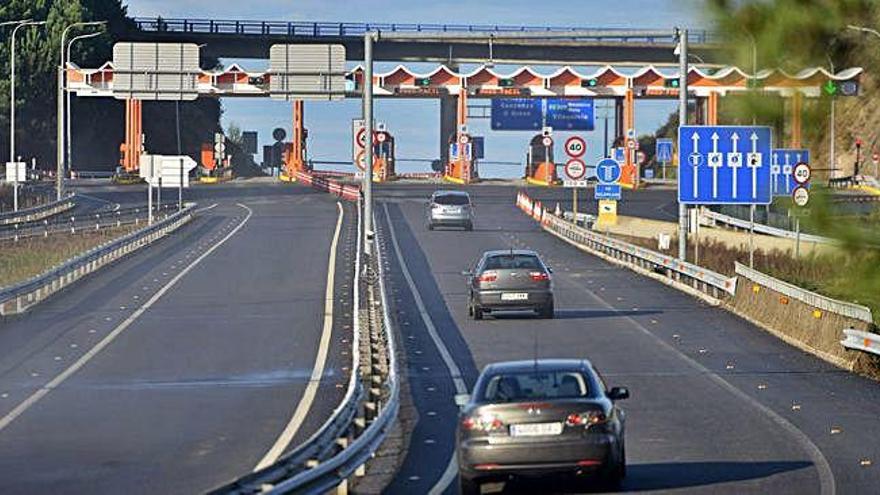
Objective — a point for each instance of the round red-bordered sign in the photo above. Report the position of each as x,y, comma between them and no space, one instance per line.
381,137
800,195
575,146
464,139
547,141
359,159
575,169
361,139
801,173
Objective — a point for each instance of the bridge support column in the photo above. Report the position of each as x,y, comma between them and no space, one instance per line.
629,176
796,111
448,120
296,157
460,168
712,109
131,148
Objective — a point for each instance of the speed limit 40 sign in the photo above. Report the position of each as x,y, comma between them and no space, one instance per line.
575,147
801,173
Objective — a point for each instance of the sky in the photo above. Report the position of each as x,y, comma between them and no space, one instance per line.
415,123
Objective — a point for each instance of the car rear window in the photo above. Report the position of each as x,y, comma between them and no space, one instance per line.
540,385
513,262
451,199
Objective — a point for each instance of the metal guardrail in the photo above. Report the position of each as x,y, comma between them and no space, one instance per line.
850,310
81,223
18,298
704,280
37,212
763,229
92,174
861,341
358,29
332,454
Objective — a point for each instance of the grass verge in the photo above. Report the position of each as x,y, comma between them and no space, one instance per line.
27,258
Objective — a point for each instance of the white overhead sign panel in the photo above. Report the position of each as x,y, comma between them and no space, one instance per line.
155,71
307,72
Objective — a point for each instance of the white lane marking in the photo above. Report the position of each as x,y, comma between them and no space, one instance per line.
305,403
85,358
206,208
826,476
451,470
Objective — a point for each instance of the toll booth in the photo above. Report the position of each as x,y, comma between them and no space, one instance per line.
462,166
383,157
540,165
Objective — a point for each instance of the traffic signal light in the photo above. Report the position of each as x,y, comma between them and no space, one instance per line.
505,83
423,81
671,83
589,83
849,87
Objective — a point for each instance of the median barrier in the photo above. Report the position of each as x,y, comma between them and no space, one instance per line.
38,212
21,297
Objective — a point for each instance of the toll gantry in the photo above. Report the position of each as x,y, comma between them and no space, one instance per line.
454,88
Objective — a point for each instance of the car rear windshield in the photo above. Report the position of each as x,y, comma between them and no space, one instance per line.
513,262
451,199
535,385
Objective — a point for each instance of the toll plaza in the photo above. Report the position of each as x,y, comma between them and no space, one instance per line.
454,89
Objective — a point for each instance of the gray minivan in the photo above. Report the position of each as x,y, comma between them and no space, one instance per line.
450,209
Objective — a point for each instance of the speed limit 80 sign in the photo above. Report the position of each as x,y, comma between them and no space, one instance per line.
575,147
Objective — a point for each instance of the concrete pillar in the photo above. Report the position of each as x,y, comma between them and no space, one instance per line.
448,116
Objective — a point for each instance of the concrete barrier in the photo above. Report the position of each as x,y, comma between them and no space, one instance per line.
811,322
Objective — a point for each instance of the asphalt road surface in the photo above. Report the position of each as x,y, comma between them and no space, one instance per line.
180,367
718,405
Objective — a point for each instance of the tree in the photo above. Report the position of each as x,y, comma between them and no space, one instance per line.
98,123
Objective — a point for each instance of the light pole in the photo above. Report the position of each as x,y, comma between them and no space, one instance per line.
12,157
832,157
59,168
67,141
368,146
682,35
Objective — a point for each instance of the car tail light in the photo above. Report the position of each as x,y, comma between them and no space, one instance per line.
586,419
539,276
483,422
488,277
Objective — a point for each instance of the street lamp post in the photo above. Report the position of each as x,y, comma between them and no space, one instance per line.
68,158
59,168
12,157
682,120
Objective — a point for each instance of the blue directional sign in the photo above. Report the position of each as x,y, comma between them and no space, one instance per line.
570,114
663,152
517,114
607,191
724,165
619,154
782,169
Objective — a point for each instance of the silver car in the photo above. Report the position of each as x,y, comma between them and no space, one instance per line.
510,280
450,209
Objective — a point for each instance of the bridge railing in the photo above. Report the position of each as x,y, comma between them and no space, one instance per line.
356,29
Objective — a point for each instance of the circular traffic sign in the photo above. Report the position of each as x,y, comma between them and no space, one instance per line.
464,139
575,146
547,141
575,169
801,196
381,137
801,173
608,171
361,137
359,159
632,144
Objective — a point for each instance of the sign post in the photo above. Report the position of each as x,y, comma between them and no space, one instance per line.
575,169
664,153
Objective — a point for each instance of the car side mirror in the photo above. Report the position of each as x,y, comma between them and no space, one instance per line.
549,270
618,393
467,273
462,400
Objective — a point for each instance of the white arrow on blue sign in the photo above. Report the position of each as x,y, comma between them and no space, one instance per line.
782,169
724,165
663,152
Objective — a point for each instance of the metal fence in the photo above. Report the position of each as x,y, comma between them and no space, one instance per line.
78,224
861,341
356,428
18,298
37,212
358,29
701,279
762,228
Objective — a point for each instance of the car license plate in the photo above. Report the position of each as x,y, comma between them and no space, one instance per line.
514,296
535,429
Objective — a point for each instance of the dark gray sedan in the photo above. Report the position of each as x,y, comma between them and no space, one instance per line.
510,280
540,417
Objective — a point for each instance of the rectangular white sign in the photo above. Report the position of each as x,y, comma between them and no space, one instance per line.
152,167
309,72
574,183
16,172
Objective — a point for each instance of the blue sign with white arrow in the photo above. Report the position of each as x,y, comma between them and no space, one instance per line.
663,152
724,165
782,169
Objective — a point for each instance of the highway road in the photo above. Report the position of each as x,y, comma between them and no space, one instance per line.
188,363
718,405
